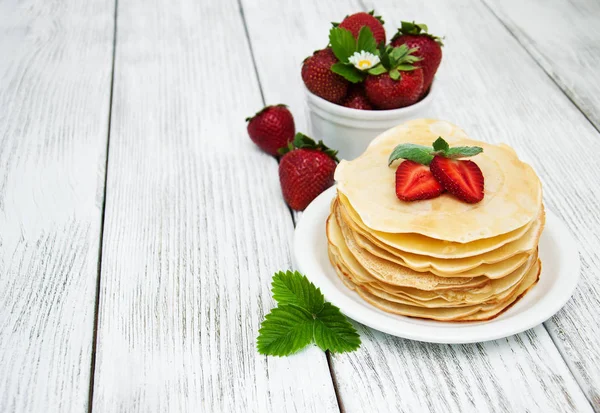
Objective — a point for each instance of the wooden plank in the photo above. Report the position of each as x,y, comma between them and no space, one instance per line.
195,226
472,95
563,37
520,373
55,75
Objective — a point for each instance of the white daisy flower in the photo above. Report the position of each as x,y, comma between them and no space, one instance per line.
363,60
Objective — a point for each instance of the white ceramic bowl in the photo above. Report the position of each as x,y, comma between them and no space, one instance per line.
351,130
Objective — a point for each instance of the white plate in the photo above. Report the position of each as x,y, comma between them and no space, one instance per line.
560,272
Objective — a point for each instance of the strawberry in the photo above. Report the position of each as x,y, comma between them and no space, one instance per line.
414,182
387,93
355,22
463,179
272,128
357,99
320,80
305,170
425,45
396,82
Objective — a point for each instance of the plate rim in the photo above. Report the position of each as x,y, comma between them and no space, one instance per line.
463,333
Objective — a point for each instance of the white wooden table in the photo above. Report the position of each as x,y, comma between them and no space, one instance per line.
140,227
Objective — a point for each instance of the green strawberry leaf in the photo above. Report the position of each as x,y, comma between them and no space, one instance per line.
463,151
395,74
377,70
384,56
399,53
372,13
301,317
294,288
406,68
417,153
417,29
348,72
333,332
301,141
440,145
366,41
342,43
285,330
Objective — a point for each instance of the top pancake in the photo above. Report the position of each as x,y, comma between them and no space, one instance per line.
513,192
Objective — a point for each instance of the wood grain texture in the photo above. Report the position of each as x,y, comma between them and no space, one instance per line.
564,38
517,374
480,91
195,226
476,90
55,72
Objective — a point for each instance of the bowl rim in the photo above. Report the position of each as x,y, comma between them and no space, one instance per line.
388,114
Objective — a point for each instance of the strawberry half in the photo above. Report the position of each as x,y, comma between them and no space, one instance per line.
463,179
415,181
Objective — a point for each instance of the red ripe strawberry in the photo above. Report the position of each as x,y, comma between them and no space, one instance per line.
357,99
305,171
428,47
463,179
414,182
272,128
320,80
355,22
386,93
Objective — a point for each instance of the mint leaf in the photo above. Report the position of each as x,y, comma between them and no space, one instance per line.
440,145
342,43
348,72
333,332
463,151
294,288
417,153
285,330
366,41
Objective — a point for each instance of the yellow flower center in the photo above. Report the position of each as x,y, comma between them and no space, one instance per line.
364,63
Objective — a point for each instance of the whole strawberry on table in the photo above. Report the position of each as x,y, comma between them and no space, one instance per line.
305,170
358,70
306,167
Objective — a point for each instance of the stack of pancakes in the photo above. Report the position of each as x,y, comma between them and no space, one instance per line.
441,259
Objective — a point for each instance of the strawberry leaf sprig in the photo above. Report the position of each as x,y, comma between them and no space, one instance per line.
395,60
301,141
416,29
424,154
302,317
349,50
362,56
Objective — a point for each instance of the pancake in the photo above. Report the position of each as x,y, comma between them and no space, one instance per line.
399,276
498,293
422,245
513,193
465,295
506,258
468,313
